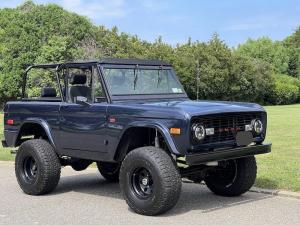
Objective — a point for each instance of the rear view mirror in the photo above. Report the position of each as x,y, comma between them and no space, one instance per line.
80,100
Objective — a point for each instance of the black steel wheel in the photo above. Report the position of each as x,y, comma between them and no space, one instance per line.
142,182
150,181
30,169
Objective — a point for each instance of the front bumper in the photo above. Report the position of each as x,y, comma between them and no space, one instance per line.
240,152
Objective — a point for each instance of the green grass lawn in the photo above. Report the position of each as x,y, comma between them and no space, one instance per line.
278,170
281,168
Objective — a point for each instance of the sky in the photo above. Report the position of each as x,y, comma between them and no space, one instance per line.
234,20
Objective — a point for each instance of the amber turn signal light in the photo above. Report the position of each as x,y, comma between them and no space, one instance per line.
174,130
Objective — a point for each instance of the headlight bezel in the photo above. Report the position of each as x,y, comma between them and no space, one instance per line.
257,126
198,129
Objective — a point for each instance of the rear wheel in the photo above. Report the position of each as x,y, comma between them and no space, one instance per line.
110,171
233,177
150,181
37,167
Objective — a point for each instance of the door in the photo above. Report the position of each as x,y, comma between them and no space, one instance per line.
82,126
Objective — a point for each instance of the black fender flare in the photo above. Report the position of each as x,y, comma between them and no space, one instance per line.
163,130
45,126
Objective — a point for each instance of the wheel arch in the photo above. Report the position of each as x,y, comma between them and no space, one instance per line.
137,128
34,126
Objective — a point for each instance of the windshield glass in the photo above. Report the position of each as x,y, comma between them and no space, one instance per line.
139,81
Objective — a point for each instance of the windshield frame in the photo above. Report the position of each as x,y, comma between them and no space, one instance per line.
141,96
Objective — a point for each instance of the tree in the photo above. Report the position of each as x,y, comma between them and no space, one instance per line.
268,51
36,33
293,44
294,62
294,39
251,80
215,65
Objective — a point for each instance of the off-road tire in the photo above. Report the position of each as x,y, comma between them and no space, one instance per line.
48,167
165,176
243,180
110,171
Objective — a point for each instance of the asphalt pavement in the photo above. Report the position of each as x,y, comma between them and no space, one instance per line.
86,198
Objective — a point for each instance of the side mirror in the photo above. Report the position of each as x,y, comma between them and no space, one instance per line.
80,100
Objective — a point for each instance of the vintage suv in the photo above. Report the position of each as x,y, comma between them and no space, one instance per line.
133,118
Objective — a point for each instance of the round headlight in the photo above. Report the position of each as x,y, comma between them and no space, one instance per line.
257,126
199,131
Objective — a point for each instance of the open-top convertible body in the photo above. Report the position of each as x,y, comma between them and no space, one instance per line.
135,120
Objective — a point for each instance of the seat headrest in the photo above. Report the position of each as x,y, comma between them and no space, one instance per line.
48,92
78,79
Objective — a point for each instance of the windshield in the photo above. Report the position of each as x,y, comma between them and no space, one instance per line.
139,81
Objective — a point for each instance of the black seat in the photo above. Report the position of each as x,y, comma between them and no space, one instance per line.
48,92
79,87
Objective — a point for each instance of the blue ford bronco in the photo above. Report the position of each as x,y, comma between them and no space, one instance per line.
134,120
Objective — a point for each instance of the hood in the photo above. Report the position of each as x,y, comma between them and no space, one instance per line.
206,107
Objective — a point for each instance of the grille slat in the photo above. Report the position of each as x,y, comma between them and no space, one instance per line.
225,125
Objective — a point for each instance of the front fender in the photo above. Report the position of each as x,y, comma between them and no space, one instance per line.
40,122
161,128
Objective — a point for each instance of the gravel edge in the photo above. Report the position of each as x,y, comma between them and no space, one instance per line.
281,193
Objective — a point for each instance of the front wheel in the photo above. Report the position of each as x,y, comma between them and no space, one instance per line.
232,177
150,181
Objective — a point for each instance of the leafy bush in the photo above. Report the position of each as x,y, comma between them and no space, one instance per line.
272,52
251,80
286,90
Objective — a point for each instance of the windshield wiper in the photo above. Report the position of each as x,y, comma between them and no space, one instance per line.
159,75
135,76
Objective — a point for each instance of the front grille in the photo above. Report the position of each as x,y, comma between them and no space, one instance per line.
225,125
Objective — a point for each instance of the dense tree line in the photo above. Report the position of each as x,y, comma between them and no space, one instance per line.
261,70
